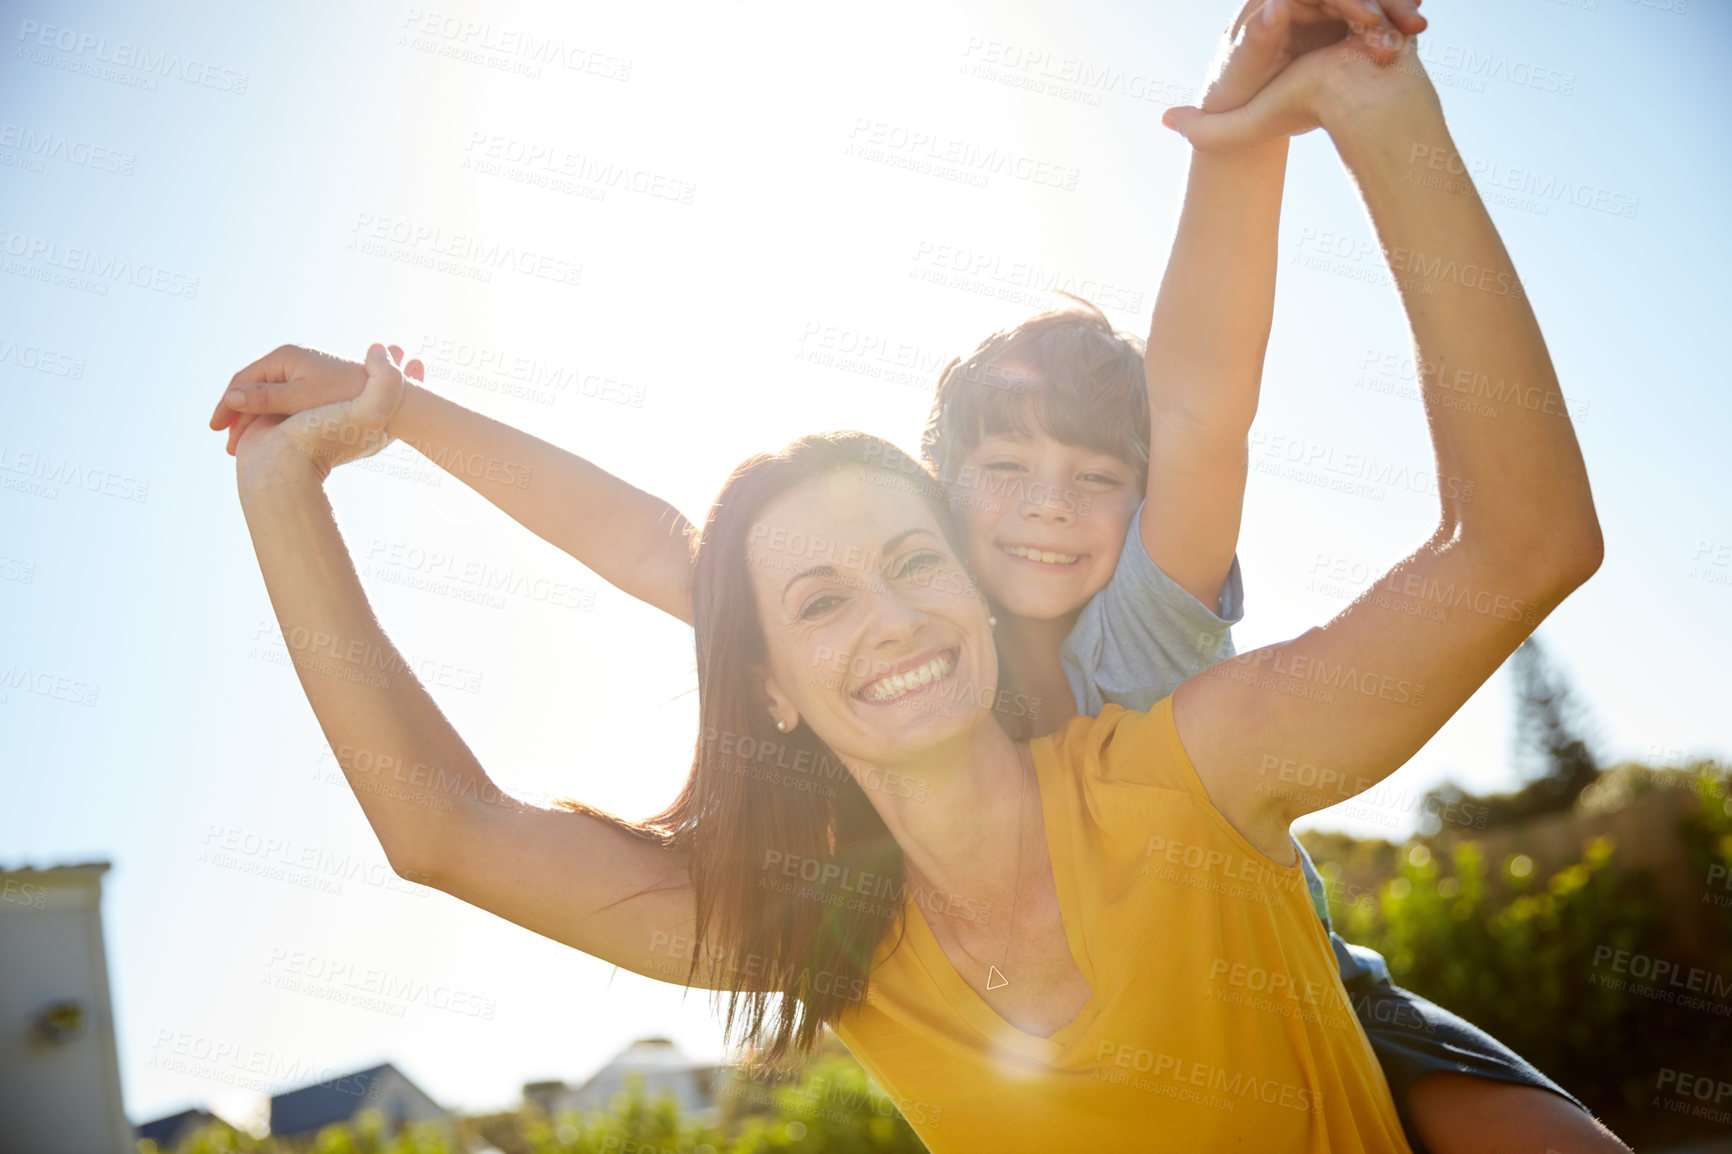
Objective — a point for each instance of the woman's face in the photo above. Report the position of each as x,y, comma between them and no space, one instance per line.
874,633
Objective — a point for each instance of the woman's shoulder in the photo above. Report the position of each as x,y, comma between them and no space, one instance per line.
1125,746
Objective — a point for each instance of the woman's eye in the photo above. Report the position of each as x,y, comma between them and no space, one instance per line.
818,606
919,563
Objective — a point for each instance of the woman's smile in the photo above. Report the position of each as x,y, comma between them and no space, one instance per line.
909,677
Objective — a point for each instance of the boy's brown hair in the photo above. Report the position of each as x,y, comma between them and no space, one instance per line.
1064,372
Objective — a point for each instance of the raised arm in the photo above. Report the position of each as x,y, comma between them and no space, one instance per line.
577,878
1204,364
632,539
1344,705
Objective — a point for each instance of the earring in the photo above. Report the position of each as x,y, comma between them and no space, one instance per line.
991,622
782,726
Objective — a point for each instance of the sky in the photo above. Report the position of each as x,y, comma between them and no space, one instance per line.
730,224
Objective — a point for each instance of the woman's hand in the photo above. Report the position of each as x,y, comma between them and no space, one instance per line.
325,436
1339,88
291,379
1268,35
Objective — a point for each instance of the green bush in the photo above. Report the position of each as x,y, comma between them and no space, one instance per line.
368,1135
1530,960
832,1108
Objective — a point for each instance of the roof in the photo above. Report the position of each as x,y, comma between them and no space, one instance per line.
651,1054
335,1100
167,1129
644,1056
70,868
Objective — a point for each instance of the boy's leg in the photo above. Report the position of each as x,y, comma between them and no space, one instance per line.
1457,1088
1466,1114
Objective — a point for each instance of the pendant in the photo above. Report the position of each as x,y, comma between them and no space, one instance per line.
994,979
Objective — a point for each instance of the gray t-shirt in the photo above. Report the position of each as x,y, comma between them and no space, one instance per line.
1143,636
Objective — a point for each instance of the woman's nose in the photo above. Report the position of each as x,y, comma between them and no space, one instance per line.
894,616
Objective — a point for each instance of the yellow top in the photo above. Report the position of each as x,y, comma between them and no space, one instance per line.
1218,1020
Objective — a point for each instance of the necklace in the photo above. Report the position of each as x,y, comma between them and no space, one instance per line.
995,979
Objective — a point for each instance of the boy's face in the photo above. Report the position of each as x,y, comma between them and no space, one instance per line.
1042,521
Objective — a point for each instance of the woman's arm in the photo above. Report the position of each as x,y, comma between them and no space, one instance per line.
635,541
1516,533
576,878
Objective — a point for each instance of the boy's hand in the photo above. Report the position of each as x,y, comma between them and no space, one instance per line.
328,435
1270,34
292,379
1339,88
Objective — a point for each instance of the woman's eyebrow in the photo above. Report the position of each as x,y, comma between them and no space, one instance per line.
830,570
890,545
814,571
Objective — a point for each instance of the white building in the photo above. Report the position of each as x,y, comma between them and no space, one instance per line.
59,1070
661,1065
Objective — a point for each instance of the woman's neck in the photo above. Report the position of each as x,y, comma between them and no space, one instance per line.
958,833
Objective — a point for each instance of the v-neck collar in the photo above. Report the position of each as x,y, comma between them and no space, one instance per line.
963,998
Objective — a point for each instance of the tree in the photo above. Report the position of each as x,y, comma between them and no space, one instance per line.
1551,751
1548,732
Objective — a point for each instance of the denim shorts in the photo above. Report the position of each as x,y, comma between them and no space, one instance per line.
1413,1037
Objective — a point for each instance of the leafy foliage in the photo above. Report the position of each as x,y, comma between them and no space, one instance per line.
1551,748
832,1108
1550,966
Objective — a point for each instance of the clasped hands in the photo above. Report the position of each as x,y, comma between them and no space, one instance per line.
300,406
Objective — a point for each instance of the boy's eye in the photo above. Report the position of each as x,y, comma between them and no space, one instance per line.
1002,466
1102,478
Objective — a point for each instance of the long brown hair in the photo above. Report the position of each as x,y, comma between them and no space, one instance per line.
785,958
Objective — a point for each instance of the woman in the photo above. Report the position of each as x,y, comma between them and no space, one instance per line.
1053,1021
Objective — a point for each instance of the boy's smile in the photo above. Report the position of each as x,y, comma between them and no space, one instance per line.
1047,559
1043,522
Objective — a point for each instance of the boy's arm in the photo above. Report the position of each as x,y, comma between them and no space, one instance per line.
1211,322
1205,362
635,541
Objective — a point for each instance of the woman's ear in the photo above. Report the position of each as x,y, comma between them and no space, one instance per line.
778,705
